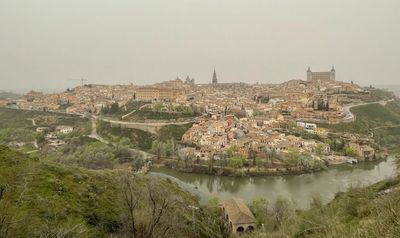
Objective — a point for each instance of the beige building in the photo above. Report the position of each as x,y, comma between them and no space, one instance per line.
321,76
239,216
148,93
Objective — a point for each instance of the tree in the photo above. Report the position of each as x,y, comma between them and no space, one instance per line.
213,205
348,151
291,124
259,162
270,154
260,209
114,108
232,150
293,157
161,205
281,211
5,215
131,200
252,156
237,162
320,149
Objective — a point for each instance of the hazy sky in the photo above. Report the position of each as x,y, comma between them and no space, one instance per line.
44,43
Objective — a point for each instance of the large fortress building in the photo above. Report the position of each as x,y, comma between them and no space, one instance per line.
322,76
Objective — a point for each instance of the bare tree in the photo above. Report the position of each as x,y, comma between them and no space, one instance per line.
5,215
131,201
162,204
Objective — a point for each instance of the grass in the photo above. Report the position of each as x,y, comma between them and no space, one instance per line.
140,139
43,199
14,118
369,117
173,131
157,115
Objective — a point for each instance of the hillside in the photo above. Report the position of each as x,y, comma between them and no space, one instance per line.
140,139
383,121
43,199
362,212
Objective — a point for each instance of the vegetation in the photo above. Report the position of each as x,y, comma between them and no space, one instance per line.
43,199
380,94
89,153
9,95
138,138
22,119
160,115
115,110
368,117
141,110
381,121
361,212
173,131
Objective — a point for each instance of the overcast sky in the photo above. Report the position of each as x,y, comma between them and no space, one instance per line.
46,43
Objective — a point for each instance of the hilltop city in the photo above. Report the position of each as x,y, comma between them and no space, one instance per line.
245,120
124,132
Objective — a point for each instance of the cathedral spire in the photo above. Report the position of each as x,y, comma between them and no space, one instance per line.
214,78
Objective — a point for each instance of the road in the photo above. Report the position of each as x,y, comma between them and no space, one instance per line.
349,116
33,121
140,108
96,136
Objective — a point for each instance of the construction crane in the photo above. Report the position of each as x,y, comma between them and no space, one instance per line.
81,79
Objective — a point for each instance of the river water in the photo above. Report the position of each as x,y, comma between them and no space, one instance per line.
300,189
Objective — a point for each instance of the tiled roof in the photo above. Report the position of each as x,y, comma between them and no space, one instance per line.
238,212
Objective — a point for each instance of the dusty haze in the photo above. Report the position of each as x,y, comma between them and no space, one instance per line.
46,42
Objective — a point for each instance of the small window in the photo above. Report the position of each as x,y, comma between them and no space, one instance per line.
240,229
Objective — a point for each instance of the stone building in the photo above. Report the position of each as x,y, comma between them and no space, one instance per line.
152,93
238,215
321,76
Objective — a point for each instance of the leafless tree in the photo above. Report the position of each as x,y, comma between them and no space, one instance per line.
5,215
131,201
162,204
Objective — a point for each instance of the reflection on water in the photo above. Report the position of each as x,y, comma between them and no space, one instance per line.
298,188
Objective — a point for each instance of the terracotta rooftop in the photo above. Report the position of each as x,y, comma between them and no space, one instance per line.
238,211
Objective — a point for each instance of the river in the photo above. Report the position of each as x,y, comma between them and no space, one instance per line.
300,189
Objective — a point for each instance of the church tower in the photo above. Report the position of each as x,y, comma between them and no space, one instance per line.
309,74
214,78
333,73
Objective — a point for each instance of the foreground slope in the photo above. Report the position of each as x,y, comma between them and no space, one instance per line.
42,199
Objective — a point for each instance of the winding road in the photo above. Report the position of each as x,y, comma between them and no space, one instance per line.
96,136
350,117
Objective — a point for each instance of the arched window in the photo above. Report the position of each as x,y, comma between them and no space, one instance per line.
240,229
250,228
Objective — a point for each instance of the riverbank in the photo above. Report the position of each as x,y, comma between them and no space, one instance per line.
231,172
194,168
301,189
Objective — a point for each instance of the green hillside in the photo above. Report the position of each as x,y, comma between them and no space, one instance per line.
369,117
361,212
141,139
43,199
383,121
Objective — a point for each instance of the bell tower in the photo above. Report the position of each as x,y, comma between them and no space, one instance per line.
333,73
